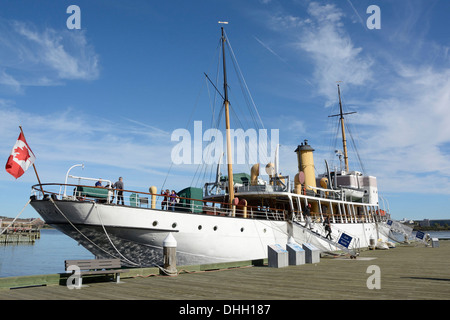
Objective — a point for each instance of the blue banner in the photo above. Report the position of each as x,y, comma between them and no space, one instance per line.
345,240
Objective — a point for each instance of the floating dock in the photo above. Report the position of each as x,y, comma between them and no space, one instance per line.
413,272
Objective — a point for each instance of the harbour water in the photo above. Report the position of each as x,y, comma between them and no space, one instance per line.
47,254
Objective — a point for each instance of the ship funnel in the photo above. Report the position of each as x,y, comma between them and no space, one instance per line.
306,164
254,174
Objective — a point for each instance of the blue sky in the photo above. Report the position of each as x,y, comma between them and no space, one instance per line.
110,94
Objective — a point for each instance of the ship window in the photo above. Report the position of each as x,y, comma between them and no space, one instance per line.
242,229
200,227
174,225
155,223
215,228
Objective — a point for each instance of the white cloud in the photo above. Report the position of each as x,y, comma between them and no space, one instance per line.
330,47
412,132
10,82
62,139
33,57
403,117
321,34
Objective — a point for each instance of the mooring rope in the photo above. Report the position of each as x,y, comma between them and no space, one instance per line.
110,241
73,226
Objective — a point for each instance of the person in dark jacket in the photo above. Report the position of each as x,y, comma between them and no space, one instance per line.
308,216
119,187
327,225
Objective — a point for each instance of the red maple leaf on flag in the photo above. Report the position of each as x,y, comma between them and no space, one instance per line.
21,158
22,153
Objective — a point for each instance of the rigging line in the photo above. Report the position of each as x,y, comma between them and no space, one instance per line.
234,57
357,152
213,123
355,148
262,142
217,90
187,125
334,138
245,149
212,119
190,117
202,167
245,92
12,222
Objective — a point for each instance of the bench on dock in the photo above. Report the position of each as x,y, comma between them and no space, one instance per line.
94,267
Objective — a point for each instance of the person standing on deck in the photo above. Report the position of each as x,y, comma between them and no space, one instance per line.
119,187
165,202
173,200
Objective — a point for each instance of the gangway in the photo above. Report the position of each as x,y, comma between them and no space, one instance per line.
343,240
398,227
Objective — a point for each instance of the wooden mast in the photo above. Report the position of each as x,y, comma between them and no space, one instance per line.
227,125
344,139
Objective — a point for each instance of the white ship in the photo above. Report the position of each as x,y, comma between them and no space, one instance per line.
234,218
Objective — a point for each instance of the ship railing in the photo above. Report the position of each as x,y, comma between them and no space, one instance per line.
346,214
214,189
109,196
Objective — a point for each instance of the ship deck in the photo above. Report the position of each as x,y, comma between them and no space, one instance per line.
407,273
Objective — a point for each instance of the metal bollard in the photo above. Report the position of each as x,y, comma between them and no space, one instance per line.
170,256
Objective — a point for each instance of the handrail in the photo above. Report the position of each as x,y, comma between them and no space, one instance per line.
224,206
206,205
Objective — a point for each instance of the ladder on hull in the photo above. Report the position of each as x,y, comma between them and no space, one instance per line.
353,252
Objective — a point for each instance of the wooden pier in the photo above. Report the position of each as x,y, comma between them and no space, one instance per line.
19,231
26,237
413,272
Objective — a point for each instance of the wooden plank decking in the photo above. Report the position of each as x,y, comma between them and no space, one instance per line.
418,273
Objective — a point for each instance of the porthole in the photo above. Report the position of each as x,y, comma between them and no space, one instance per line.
174,225
242,229
215,228
200,227
264,230
155,223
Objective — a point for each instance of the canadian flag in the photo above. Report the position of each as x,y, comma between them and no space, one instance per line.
21,158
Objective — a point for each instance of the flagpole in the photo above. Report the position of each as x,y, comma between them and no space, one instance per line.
34,167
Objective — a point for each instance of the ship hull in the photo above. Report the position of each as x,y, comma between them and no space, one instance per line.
135,235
